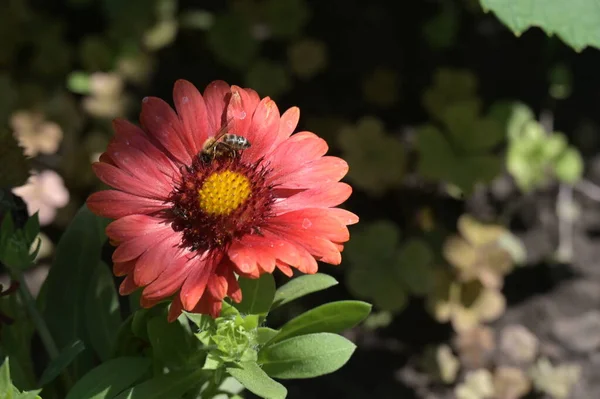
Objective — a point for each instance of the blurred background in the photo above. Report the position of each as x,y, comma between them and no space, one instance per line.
473,156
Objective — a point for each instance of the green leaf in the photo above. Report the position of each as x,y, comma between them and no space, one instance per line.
103,314
374,257
67,284
569,167
11,152
257,294
6,386
170,341
268,78
301,286
231,41
306,356
265,334
171,385
286,18
415,267
62,361
576,22
333,317
110,378
251,376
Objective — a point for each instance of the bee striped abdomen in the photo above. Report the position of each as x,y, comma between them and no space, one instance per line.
236,142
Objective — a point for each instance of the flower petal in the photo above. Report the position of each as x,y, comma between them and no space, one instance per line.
263,130
123,268
294,153
175,309
127,286
287,124
162,124
155,260
320,171
134,226
123,181
216,97
194,286
192,112
116,204
325,196
240,109
170,280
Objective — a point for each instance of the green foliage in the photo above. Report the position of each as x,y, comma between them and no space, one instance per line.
268,78
286,18
254,378
449,86
377,160
385,270
66,356
536,157
68,281
110,378
16,243
306,356
258,294
172,385
231,41
301,286
307,57
8,390
462,153
381,87
103,316
441,30
575,24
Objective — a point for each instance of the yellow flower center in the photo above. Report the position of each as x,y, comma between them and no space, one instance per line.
223,192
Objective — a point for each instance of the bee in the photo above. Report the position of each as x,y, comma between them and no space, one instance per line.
223,144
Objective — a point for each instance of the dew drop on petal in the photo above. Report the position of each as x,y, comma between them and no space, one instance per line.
145,99
243,115
185,99
306,223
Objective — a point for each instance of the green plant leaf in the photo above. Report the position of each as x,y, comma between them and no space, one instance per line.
110,378
576,24
171,385
306,356
301,286
268,78
66,356
415,267
67,283
6,386
374,257
257,294
251,376
333,317
265,334
569,167
170,342
103,314
231,40
286,18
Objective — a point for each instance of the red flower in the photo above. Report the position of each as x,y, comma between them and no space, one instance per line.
186,222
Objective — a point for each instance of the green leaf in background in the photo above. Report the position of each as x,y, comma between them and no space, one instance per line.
374,257
171,385
306,356
232,42
307,57
103,315
110,378
575,23
257,294
286,18
67,284
468,131
415,268
268,78
449,86
377,159
441,30
569,167
5,381
66,356
333,317
252,376
381,87
170,342
79,82
301,286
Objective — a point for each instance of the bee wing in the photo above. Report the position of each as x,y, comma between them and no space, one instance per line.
220,133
